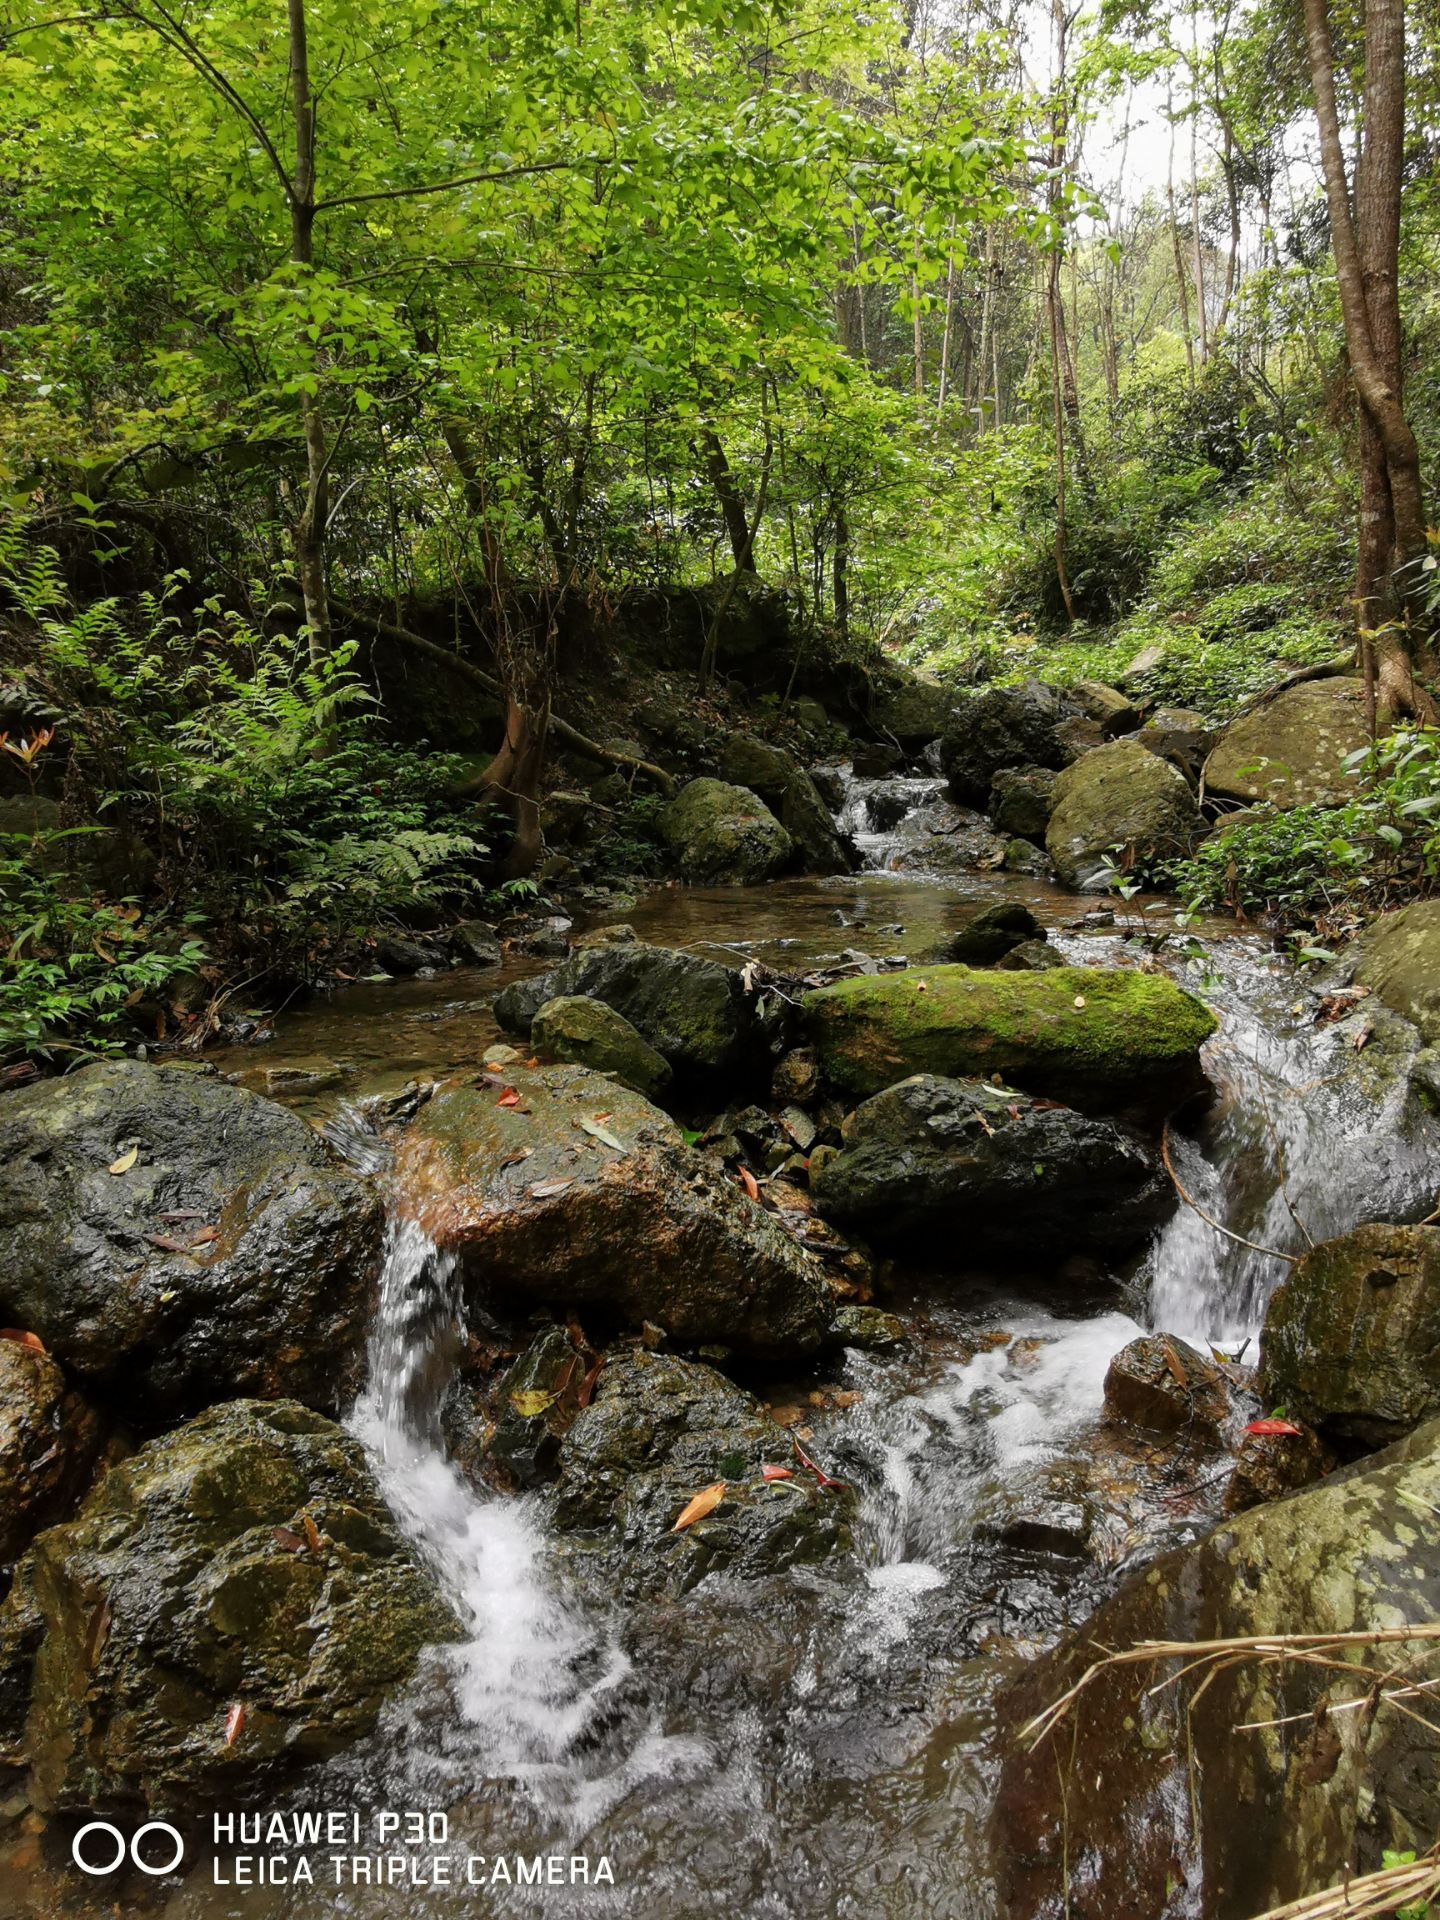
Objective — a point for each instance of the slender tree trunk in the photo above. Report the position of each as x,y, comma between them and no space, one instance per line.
1366,248
987,316
949,326
1198,248
310,526
732,507
1182,282
919,337
840,570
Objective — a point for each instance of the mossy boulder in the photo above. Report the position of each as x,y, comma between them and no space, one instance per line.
1003,727
1400,963
1021,801
792,794
590,1034
1352,1337
1112,711
932,1157
189,1586
1288,750
658,1431
723,835
1130,1806
581,1193
174,1240
49,1442
913,712
1119,796
697,1013
1090,1035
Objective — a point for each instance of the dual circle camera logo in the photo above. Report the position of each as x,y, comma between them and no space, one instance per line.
100,1848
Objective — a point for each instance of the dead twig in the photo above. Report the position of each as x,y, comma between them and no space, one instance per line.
1272,1253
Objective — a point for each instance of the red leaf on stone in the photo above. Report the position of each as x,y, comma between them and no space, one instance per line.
749,1182
1268,1427
22,1339
234,1722
767,1472
510,1098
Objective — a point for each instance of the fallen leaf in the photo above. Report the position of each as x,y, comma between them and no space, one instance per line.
587,1385
1079,999
703,1503
597,1132
23,1339
514,1159
1269,1427
99,1632
312,1534
750,1183
234,1723
1176,1366
125,1162
529,1402
547,1189
767,1472
204,1235
165,1243
821,1479
289,1541
510,1098
846,1398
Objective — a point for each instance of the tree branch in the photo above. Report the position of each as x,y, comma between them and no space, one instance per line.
440,186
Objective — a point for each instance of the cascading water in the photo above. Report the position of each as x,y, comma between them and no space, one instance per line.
877,814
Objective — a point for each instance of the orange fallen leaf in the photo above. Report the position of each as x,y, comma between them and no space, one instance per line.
234,1722
767,1472
703,1503
286,1539
312,1533
1271,1427
22,1339
749,1182
510,1098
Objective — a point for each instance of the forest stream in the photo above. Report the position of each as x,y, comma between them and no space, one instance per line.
819,1743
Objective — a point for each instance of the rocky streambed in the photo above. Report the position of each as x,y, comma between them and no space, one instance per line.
836,1218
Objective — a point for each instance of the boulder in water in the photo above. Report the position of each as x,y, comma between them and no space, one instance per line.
988,930
49,1442
791,793
1031,956
913,711
721,835
1352,1337
587,1033
173,1240
1288,750
1120,801
659,1431
697,1013
578,1191
929,1157
1161,1385
1095,1036
1021,800
188,1586
1400,963
1002,727
1130,1805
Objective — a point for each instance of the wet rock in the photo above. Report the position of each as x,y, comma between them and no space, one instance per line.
187,1587
874,759
1021,856
1020,801
1113,711
474,943
1031,956
942,838
747,761
791,793
697,1013
721,835
1400,963
590,1034
797,1077
397,953
1288,750
230,1256
1130,1806
1181,736
1091,1035
536,1404
1352,1337
829,783
1002,727
929,1156
541,1206
1122,797
870,1329
619,934
913,712
1161,1385
659,1431
49,1442
989,930
1270,1465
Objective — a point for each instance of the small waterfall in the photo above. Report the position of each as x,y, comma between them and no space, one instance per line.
875,813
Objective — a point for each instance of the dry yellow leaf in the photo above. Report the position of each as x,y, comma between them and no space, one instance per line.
528,1402
126,1161
703,1503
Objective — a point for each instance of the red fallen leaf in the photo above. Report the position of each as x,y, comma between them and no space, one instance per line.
821,1479
22,1339
234,1722
704,1502
288,1541
165,1243
510,1098
203,1236
587,1385
749,1182
767,1472
1272,1426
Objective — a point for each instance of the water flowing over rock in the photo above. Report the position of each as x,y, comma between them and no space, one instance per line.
1288,750
661,1430
173,1239
931,1157
1097,1820
698,1014
49,1442
580,1192
1119,801
721,835
1090,1035
1352,1337
190,1586
587,1033
1400,963
1003,727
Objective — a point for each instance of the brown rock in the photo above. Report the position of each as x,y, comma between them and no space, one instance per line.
1160,1384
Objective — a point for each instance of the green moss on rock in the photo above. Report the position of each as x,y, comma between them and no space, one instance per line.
1400,963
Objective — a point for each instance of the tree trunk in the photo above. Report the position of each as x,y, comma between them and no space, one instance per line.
1182,282
310,526
1366,247
840,570
732,507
